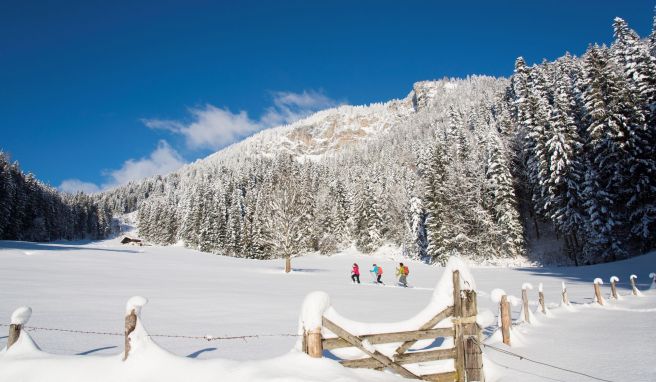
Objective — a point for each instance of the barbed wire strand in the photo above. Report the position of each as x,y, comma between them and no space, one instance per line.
523,358
206,337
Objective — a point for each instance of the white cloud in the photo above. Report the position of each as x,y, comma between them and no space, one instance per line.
163,160
289,107
160,162
213,127
73,186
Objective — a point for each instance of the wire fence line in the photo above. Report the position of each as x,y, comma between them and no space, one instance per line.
524,358
207,337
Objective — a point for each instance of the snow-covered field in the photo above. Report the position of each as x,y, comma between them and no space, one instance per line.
85,286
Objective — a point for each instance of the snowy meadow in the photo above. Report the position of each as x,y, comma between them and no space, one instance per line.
85,286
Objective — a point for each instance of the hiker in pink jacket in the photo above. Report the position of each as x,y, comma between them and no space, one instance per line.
355,273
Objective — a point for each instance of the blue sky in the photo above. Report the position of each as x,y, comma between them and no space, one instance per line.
94,94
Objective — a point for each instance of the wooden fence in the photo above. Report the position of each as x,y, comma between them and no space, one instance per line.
466,333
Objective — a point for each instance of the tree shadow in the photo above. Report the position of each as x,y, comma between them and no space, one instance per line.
33,246
199,352
96,350
638,265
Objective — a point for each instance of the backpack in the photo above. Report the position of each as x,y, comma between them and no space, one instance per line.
380,271
406,271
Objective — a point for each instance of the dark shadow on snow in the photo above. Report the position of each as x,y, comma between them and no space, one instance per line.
199,352
95,350
58,246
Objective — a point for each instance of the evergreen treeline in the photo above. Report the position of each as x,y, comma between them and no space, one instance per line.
585,136
33,211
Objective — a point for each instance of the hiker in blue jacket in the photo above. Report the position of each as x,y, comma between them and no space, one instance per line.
378,273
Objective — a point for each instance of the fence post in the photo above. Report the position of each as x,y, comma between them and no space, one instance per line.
504,307
527,313
458,337
541,299
634,288
313,340
652,276
132,310
19,318
613,287
565,298
597,290
472,336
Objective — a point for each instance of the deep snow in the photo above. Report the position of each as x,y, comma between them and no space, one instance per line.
85,286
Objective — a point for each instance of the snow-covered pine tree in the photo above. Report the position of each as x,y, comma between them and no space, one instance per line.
639,67
501,193
435,195
565,151
612,121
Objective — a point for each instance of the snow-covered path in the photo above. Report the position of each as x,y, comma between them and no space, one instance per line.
85,287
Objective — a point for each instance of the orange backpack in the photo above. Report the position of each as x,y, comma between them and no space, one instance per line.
406,271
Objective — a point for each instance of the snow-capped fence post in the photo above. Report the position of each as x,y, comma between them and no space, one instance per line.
597,289
314,306
527,313
652,276
634,288
19,318
132,310
504,307
541,299
613,287
565,298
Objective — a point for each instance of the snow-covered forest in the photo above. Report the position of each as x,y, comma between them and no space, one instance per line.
459,166
33,211
477,166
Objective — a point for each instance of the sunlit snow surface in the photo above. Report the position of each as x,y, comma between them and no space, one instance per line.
85,286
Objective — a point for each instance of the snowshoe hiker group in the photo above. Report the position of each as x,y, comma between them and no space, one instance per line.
377,273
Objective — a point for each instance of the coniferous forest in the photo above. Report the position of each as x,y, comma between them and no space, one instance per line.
479,166
33,211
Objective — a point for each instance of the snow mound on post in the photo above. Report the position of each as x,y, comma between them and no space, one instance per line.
563,286
142,346
652,276
496,295
638,293
614,279
598,281
21,315
135,303
528,286
315,305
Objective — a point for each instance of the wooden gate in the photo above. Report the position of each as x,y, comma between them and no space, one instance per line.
466,352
